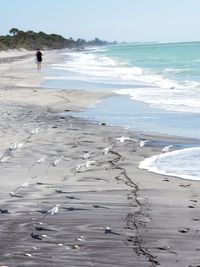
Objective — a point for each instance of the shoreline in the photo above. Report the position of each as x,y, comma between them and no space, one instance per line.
115,214
23,78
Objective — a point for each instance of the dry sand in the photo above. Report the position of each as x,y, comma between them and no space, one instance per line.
152,219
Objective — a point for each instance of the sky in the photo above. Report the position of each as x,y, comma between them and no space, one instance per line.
111,20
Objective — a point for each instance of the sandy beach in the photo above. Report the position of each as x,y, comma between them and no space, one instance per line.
72,194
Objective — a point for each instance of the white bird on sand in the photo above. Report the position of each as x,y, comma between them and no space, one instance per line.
34,131
80,238
86,155
88,163
25,184
78,167
85,165
4,159
107,149
54,210
122,139
12,194
143,143
39,161
55,162
20,145
166,148
13,146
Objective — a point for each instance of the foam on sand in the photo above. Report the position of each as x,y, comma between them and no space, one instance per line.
182,163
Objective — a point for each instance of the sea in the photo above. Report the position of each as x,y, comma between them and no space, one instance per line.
157,90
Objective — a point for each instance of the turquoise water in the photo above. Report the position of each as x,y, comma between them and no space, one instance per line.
179,61
165,76
157,87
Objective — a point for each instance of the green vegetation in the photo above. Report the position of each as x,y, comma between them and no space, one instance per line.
31,40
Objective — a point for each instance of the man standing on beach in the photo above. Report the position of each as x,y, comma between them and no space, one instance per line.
39,58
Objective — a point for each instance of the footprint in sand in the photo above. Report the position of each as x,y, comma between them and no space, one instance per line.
38,228
4,211
165,180
196,219
194,200
36,236
185,185
101,207
184,231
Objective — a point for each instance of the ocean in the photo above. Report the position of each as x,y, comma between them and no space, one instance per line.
157,90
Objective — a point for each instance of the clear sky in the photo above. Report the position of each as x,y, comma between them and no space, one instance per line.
120,20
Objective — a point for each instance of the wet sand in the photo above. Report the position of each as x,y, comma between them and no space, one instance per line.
111,212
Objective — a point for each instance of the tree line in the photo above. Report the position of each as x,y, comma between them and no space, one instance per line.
31,40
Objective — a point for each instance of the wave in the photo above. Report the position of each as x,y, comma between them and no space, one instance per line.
182,163
171,99
176,70
103,67
141,84
99,69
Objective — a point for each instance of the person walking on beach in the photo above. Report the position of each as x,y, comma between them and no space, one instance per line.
39,58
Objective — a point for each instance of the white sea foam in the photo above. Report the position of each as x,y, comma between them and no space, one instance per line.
170,99
153,88
89,67
184,163
176,70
